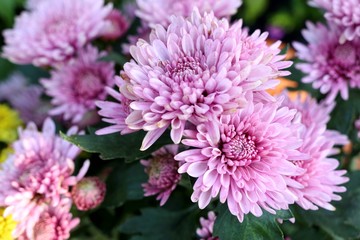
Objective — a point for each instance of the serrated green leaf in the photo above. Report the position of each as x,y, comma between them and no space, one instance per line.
124,183
162,224
114,145
228,227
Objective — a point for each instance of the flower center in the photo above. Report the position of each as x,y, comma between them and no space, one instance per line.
241,148
184,68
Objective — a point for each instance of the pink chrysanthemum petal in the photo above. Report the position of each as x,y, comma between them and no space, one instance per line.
207,226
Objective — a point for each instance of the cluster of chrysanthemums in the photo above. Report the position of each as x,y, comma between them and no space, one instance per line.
194,73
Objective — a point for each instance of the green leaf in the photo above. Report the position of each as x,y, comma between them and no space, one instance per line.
114,57
124,183
114,145
253,9
162,224
228,227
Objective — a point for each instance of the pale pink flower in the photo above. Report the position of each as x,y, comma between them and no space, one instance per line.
162,171
154,12
207,226
330,66
76,87
88,193
319,183
54,31
117,27
196,70
37,175
247,159
54,224
25,98
343,13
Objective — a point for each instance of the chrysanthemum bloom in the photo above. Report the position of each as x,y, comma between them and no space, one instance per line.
162,170
117,27
345,14
37,175
330,66
76,86
9,122
58,30
88,193
196,70
25,98
7,225
54,223
207,226
159,11
247,159
319,183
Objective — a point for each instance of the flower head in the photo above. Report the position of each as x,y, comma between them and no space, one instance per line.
162,171
196,70
78,85
117,27
207,226
9,122
54,223
246,159
159,11
320,181
7,225
37,175
88,193
330,66
344,14
58,30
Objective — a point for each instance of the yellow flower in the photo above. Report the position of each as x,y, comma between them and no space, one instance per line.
4,154
7,225
9,122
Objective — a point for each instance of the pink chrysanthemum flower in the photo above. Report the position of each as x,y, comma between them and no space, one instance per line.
88,193
207,226
246,159
162,171
318,185
196,70
54,223
26,99
343,13
78,85
159,11
117,27
37,175
331,67
58,30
